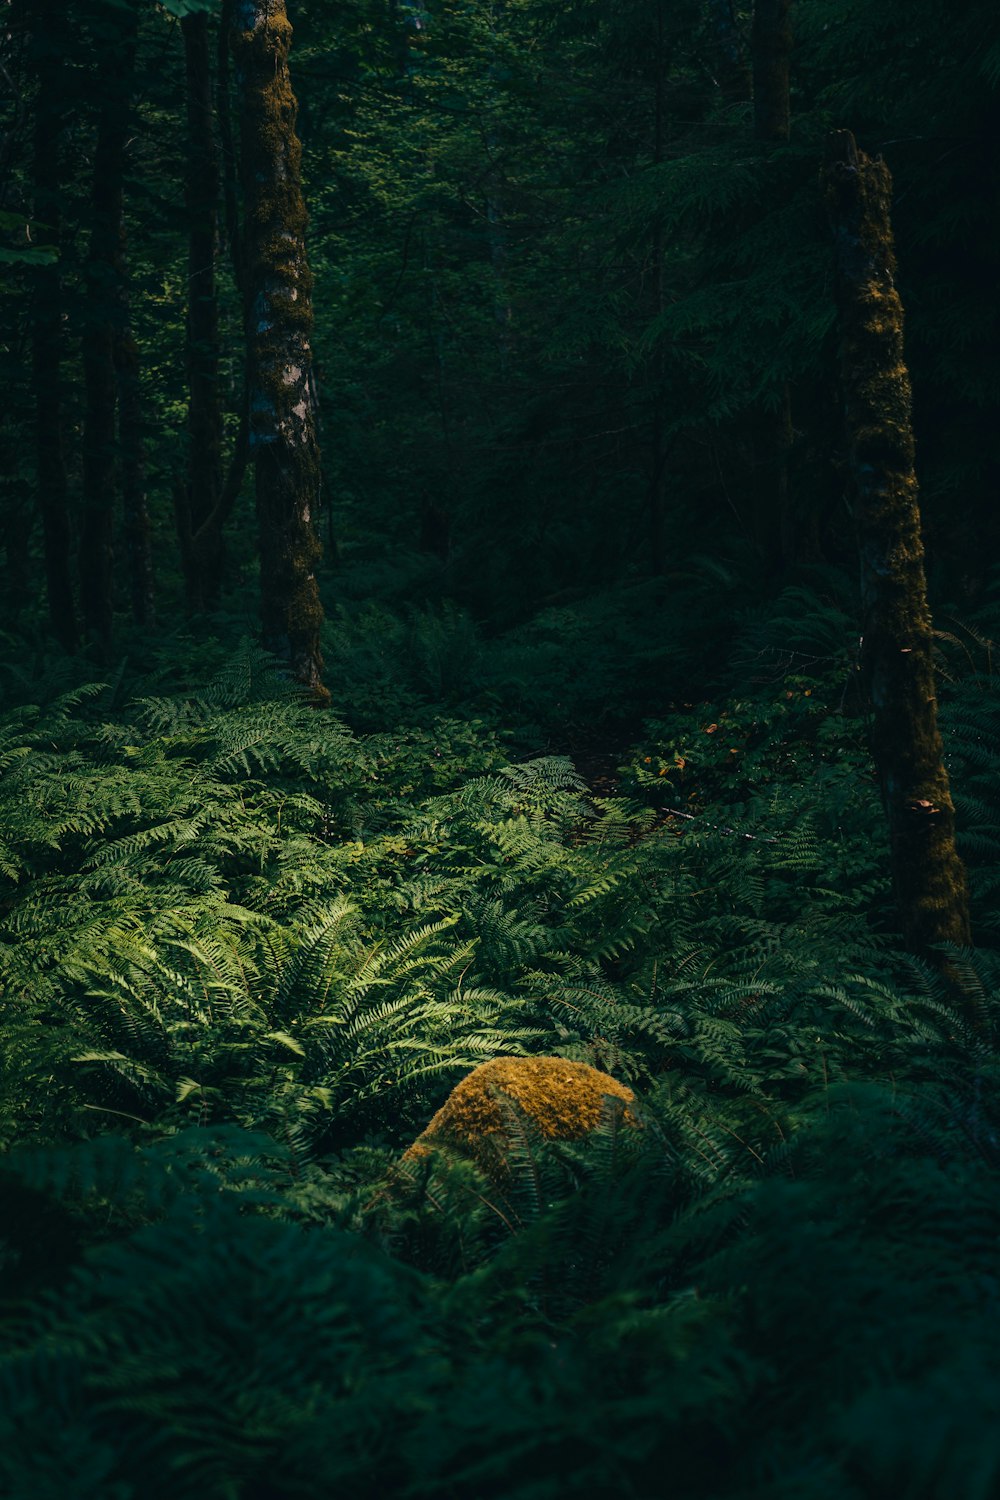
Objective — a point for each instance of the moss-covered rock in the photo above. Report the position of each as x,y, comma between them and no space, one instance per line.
562,1100
480,1171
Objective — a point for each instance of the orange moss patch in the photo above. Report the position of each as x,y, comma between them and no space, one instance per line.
564,1101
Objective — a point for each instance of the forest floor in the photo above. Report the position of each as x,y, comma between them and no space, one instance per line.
247,951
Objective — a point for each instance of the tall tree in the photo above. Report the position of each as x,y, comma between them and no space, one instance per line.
278,301
47,23
136,527
199,523
928,875
102,325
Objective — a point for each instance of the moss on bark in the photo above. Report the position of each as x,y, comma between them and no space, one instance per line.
278,299
929,878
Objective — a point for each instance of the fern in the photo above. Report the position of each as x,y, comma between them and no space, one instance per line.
244,959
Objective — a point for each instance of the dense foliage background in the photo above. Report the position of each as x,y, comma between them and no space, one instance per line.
593,781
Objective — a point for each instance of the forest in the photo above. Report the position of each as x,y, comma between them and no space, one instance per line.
499,749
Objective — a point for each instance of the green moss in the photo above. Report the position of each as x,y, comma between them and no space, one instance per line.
280,320
928,875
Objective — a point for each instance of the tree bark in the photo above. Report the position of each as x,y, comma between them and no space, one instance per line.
46,358
199,519
135,505
928,876
103,319
278,298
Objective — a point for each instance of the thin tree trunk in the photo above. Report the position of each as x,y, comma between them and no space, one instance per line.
16,27
47,328
202,545
227,143
135,505
98,451
929,878
20,512
278,296
103,315
657,493
496,230
199,522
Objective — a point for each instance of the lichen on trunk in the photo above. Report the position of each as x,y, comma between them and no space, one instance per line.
278,298
928,875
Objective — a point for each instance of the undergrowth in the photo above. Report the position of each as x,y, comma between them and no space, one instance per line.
247,948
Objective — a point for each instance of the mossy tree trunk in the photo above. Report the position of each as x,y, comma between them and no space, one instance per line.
198,517
102,322
928,876
47,22
278,298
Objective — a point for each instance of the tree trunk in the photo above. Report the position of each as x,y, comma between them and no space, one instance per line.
656,499
199,519
135,506
228,156
929,878
102,320
278,299
771,47
496,229
46,359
